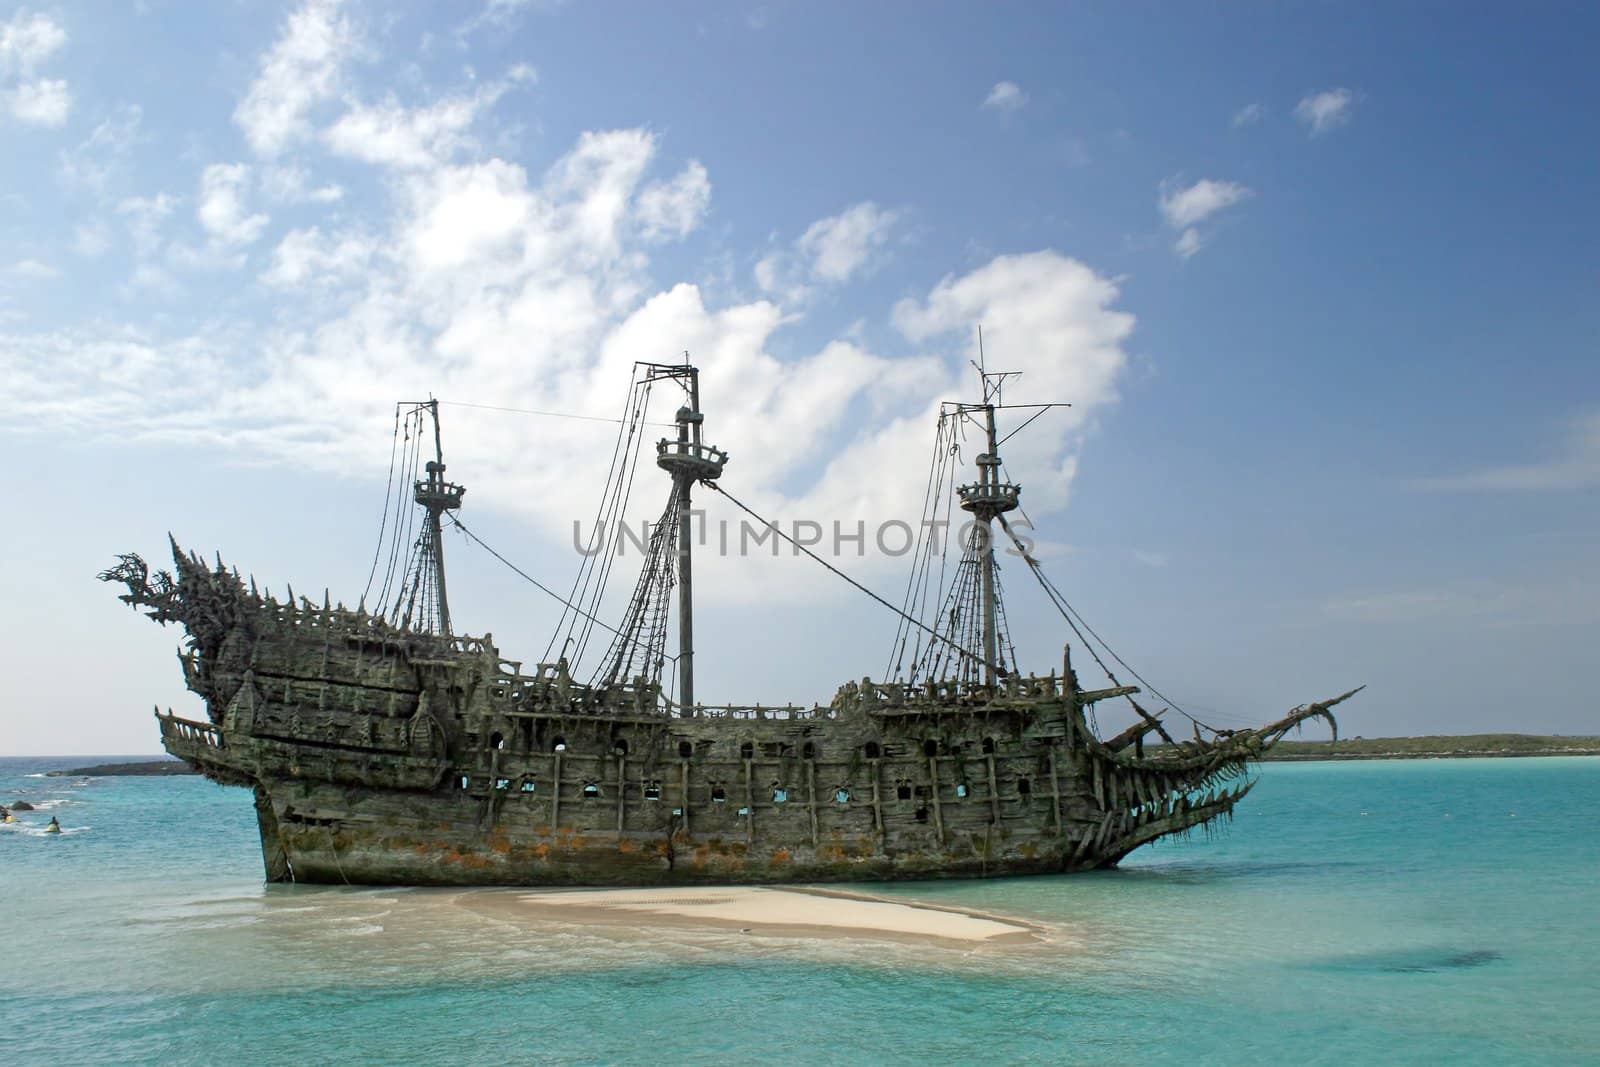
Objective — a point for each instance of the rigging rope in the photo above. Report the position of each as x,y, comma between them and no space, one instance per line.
388,490
547,414
639,397
645,622
596,565
599,527
531,579
742,506
1068,612
923,548
414,435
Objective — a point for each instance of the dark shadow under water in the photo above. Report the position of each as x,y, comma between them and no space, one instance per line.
1412,961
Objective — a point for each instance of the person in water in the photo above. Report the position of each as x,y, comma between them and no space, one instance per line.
6,816
54,827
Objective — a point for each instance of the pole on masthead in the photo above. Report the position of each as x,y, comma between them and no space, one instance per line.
688,459
438,496
985,499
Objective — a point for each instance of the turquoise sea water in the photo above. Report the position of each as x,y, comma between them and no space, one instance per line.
1406,912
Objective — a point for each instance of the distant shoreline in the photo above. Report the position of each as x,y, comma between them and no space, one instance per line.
157,768
1467,746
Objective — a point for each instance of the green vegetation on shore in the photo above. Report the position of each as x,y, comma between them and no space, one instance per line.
1435,747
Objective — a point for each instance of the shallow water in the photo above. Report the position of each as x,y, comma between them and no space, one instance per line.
1374,912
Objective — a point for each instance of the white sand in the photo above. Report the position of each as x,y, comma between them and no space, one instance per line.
759,910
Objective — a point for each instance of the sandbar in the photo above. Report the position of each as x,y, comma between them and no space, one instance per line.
766,911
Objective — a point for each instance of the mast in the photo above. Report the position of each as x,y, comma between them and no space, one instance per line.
985,499
688,460
437,496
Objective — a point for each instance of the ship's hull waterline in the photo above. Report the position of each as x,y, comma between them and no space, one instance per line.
320,832
352,849
499,834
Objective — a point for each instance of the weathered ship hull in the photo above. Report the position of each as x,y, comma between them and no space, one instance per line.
385,756
953,824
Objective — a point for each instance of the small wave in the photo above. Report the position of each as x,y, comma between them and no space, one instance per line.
357,918
364,930
221,923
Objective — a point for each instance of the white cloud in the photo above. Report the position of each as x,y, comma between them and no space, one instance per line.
146,216
767,270
1248,115
291,184
93,161
674,208
1184,206
390,134
483,282
1005,96
27,40
45,102
839,246
1403,606
33,270
1325,110
150,278
395,136
91,238
1575,466
1050,317
300,70
220,208
1151,559
500,14
308,256
831,251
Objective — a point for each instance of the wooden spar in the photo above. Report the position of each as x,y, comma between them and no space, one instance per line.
1055,792
555,790
622,791
811,798
994,790
877,804
494,777
749,802
684,803
1082,845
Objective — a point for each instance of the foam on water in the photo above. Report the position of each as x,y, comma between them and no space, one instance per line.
1356,912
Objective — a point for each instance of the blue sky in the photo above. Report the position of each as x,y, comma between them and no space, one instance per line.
1320,281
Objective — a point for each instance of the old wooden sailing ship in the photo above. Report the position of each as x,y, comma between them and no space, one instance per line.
384,747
